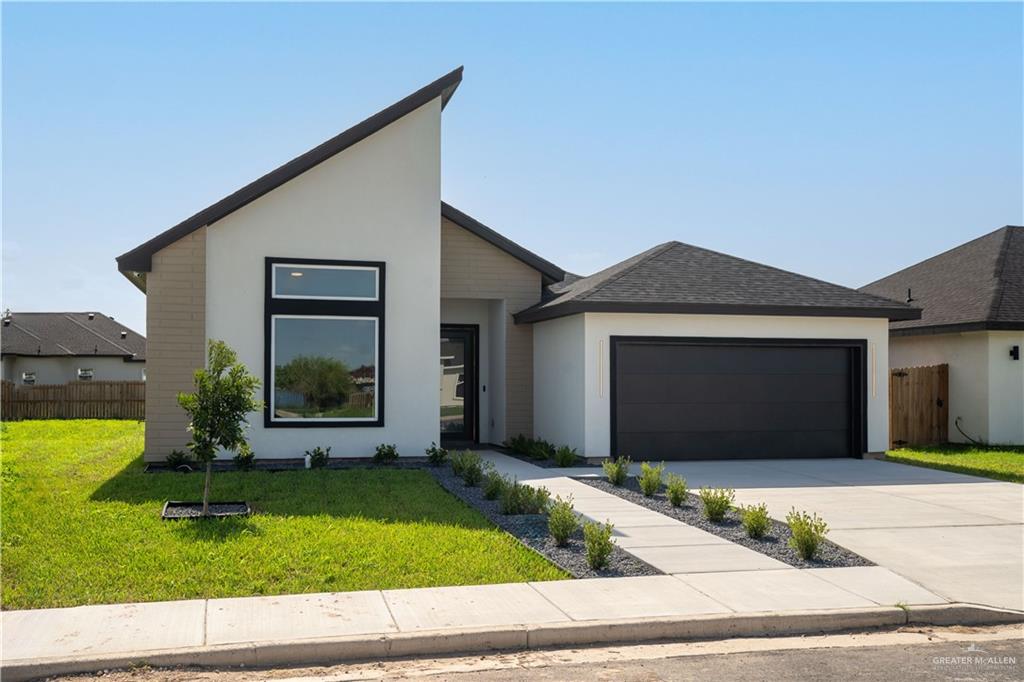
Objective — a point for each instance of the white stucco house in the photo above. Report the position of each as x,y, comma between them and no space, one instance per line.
60,348
373,312
972,319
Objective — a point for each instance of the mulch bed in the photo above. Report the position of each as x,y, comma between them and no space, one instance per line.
580,463
775,544
174,511
532,531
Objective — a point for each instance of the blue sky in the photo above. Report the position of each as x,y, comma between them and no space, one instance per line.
839,141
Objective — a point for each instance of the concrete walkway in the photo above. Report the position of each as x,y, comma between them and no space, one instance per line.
959,536
669,545
140,630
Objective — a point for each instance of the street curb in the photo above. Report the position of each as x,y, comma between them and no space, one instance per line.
474,640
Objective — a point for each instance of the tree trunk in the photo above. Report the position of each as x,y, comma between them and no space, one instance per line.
206,489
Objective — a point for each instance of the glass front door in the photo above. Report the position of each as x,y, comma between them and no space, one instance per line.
458,383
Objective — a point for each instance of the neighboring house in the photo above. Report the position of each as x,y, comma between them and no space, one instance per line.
374,313
58,348
972,319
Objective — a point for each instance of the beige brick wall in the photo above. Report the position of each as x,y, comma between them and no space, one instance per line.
474,268
175,339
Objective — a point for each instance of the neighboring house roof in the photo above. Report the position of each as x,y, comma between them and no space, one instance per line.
680,278
69,334
977,285
140,258
552,272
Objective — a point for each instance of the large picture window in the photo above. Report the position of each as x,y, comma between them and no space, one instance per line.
324,350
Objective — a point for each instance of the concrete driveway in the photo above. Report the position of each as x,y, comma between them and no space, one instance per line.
959,536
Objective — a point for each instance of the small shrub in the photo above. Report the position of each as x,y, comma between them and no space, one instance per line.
318,457
470,467
565,456
616,470
495,484
808,533
456,460
598,539
180,458
562,521
676,489
244,459
755,520
385,454
523,499
717,501
541,449
650,478
436,456
519,444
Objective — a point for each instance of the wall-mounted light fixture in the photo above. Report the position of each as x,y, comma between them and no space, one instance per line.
1015,352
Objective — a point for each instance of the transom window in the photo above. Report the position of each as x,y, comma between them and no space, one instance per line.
325,282
324,343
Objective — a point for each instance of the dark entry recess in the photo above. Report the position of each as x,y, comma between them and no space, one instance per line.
460,358
677,398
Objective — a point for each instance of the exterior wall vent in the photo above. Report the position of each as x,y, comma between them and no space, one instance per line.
85,374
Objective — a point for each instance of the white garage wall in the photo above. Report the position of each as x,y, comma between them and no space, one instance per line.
967,357
476,311
558,381
1006,389
600,326
377,200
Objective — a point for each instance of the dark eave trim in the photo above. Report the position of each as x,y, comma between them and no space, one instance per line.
957,328
551,271
126,358
140,259
539,314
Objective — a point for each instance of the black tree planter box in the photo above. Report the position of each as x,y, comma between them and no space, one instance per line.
175,511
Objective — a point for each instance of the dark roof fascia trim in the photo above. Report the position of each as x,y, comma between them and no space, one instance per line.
140,259
546,268
957,328
575,307
126,358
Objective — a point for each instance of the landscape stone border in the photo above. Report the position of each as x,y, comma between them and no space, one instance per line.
775,543
532,531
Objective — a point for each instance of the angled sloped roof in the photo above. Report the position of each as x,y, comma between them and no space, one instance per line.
680,278
69,334
140,258
977,285
551,272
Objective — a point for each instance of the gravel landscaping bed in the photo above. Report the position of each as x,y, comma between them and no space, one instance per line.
775,544
532,531
545,463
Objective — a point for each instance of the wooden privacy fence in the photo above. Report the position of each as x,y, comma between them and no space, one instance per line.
79,400
918,406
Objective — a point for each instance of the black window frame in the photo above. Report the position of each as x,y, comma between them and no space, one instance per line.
328,308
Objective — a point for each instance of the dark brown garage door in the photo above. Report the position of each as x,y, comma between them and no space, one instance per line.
677,399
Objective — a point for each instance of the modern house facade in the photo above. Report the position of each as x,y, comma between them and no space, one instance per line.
375,313
61,348
972,319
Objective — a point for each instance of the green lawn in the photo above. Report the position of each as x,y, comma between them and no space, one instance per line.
1004,463
81,525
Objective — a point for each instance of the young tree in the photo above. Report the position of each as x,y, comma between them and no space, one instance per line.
225,393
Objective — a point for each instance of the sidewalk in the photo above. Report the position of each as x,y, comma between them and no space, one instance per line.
374,624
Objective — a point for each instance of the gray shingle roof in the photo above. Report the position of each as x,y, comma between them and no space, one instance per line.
977,285
680,278
69,334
